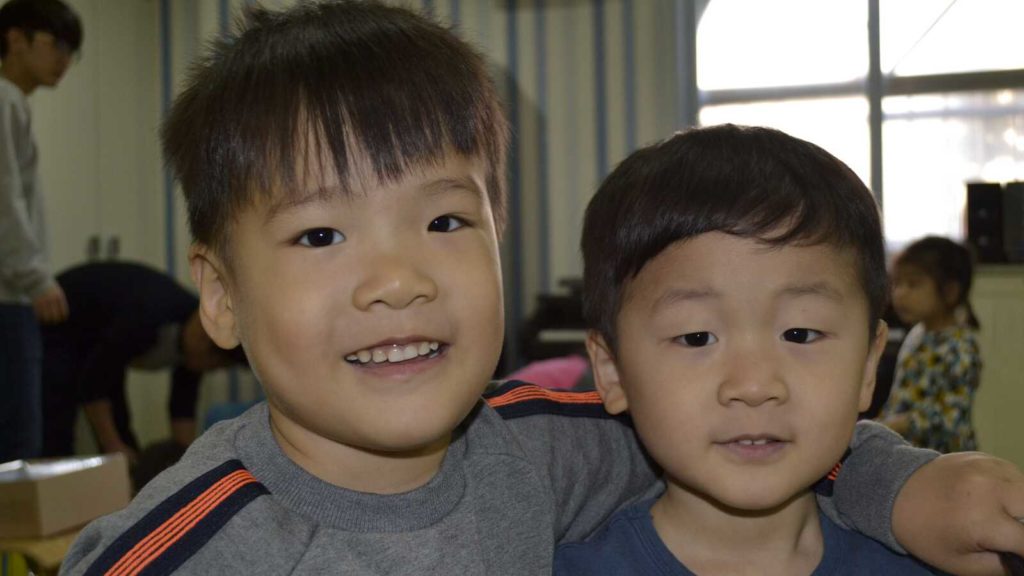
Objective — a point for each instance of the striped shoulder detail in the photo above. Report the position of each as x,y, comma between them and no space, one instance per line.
180,525
825,486
515,399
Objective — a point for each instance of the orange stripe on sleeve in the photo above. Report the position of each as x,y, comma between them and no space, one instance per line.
175,527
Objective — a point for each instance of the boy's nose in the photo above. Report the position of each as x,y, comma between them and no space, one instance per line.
751,379
394,281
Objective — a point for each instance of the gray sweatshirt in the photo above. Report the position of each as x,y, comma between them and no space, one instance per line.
526,471
24,270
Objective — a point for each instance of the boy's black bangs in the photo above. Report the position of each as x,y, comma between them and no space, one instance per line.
779,197
760,186
312,90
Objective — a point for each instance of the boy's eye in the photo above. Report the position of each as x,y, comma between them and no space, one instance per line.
446,223
801,335
698,339
320,237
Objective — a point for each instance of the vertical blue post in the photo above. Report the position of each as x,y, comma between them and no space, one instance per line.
515,190
223,17
542,145
223,20
165,105
686,63
629,62
600,91
875,89
456,12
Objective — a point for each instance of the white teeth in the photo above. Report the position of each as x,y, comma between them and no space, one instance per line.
760,442
393,354
396,355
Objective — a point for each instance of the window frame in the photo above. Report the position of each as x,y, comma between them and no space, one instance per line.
875,86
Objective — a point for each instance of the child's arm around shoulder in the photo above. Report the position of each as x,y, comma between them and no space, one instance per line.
591,462
959,510
952,511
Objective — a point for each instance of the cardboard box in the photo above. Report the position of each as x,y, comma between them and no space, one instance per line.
43,497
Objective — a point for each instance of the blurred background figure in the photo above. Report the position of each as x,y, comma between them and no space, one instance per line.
939,363
37,41
127,315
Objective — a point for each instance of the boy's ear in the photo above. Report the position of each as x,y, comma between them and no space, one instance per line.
867,386
606,374
216,307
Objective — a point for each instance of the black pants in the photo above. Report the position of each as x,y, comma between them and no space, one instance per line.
64,358
20,357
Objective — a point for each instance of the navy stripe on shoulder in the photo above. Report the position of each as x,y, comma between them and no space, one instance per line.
515,399
178,527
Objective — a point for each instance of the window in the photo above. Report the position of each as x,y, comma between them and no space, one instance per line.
945,36
934,144
844,134
754,44
952,96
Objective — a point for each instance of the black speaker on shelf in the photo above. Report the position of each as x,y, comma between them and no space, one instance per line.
1013,221
985,221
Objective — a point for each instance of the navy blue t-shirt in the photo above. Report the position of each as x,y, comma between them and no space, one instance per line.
629,544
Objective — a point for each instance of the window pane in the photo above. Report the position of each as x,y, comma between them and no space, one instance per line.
933,145
758,43
945,36
839,125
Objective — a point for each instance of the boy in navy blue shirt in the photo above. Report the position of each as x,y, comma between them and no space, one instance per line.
735,281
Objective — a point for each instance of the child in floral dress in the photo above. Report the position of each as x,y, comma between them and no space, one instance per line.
939,363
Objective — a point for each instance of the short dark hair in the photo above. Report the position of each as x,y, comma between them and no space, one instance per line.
746,181
945,262
360,77
31,16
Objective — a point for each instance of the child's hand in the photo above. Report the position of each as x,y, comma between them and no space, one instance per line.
958,510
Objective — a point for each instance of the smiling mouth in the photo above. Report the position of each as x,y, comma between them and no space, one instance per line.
753,441
758,442
395,353
755,448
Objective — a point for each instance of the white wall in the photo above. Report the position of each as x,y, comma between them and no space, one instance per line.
998,300
100,160
96,132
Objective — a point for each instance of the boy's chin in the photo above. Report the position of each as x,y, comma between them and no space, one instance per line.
754,501
407,443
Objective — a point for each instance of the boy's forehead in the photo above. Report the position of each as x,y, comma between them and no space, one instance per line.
676,262
317,180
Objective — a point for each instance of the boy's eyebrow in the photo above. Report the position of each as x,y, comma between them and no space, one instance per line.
447,183
823,288
433,187
676,295
283,205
